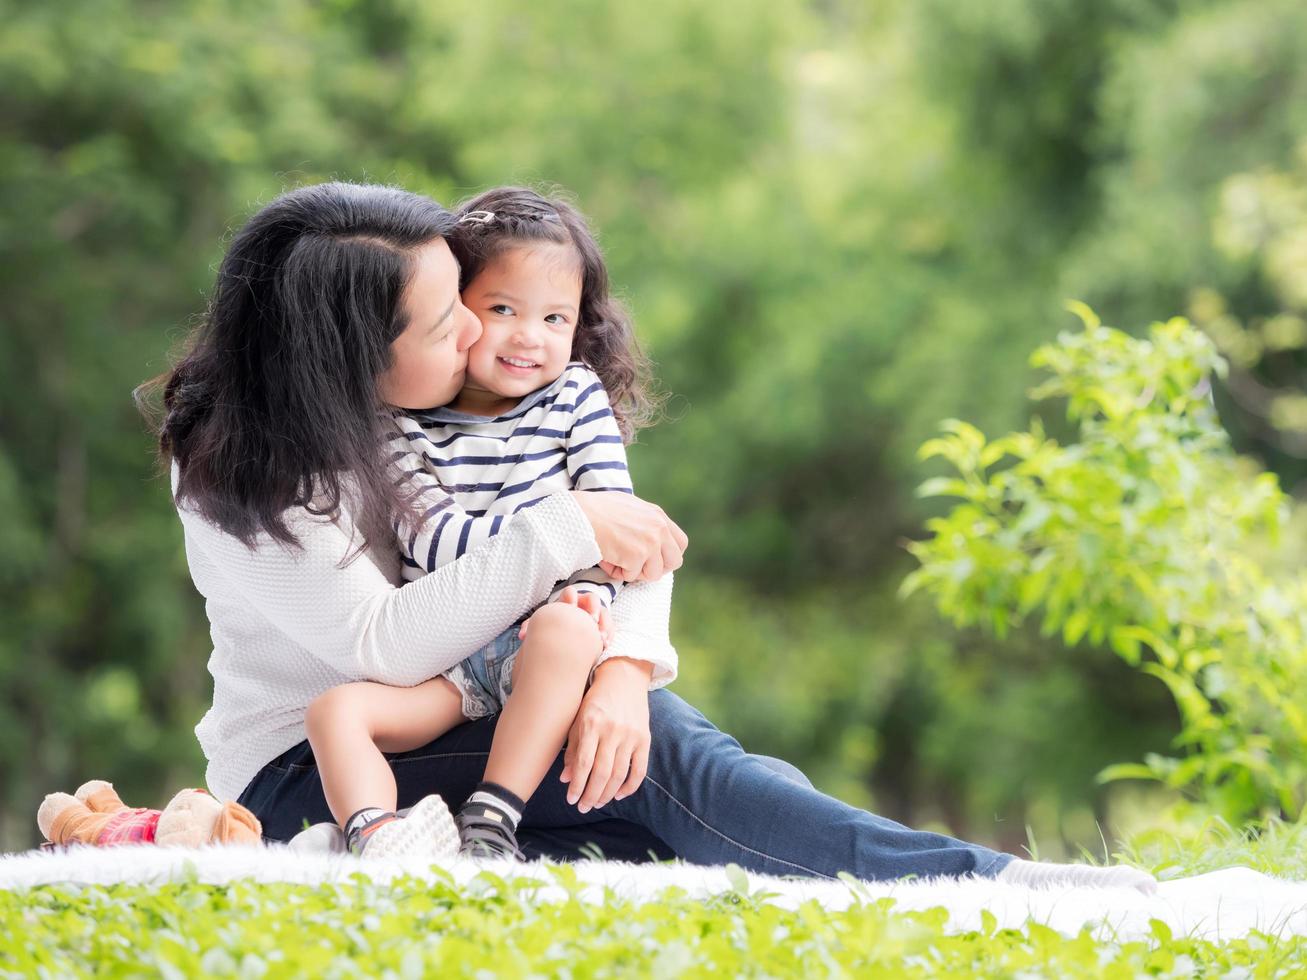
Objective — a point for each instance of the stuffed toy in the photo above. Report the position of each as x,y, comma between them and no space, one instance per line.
96,816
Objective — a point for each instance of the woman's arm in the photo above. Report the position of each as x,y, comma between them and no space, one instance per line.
607,751
608,744
356,620
640,622
633,534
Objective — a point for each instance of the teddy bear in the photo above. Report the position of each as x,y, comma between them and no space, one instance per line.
96,816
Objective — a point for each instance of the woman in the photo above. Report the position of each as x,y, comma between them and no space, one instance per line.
334,305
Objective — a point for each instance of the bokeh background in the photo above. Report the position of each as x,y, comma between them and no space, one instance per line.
837,223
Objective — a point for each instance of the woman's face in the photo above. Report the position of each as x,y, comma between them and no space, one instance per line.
430,357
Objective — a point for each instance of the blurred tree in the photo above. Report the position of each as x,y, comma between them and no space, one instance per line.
836,224
1202,127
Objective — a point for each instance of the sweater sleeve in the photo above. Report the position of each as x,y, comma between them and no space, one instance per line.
354,618
641,615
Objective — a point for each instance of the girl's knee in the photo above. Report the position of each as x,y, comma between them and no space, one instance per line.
329,707
562,632
562,622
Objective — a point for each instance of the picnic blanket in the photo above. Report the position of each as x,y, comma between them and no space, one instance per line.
1220,906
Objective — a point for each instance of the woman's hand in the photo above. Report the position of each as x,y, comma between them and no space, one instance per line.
637,540
608,746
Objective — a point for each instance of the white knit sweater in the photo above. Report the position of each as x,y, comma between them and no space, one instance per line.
289,624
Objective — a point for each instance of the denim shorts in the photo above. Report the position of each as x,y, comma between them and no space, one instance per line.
485,679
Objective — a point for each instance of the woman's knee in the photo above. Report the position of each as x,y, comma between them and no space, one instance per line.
681,739
791,772
672,715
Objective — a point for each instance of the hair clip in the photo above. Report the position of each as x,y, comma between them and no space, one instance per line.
478,217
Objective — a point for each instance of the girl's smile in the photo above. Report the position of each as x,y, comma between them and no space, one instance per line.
515,364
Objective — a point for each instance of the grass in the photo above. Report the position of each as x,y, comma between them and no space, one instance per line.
412,928
1209,844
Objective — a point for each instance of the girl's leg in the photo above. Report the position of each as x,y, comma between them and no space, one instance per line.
350,726
561,646
286,795
550,670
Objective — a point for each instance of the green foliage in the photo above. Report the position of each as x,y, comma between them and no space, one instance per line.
412,928
1146,534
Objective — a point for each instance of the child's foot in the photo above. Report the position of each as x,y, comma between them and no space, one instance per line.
427,831
486,832
321,838
1042,874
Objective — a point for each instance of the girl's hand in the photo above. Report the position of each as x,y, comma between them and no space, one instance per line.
608,746
590,603
637,540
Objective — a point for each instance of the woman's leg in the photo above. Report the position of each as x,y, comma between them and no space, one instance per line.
709,804
614,839
352,725
713,803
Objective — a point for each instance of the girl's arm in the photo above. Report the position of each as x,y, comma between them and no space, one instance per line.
596,461
446,532
353,618
596,457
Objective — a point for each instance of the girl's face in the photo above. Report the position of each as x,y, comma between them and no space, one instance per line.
527,299
429,359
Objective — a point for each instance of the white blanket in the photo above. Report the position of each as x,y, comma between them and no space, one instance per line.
1220,905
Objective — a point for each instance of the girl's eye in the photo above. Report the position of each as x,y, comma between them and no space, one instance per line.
499,309
557,319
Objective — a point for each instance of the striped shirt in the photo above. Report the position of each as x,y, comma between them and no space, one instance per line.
473,473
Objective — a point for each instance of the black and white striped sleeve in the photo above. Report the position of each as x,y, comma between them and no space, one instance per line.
444,531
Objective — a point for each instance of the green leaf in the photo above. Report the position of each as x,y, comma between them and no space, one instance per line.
1074,627
943,486
1126,770
1087,316
738,878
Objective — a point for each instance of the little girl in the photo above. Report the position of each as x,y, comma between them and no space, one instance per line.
532,418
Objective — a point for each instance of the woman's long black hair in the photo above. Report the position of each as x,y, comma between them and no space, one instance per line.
276,403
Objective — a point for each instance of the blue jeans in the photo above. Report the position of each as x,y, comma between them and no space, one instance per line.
704,800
